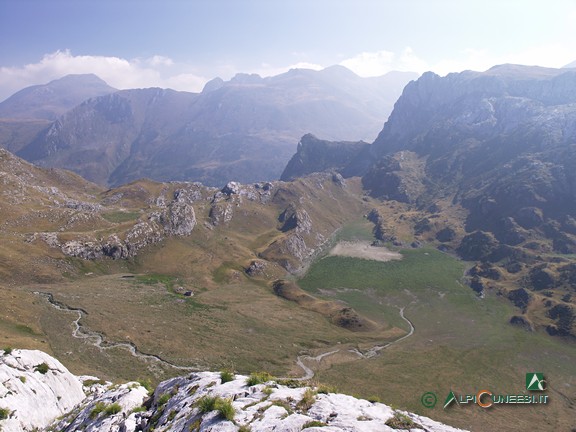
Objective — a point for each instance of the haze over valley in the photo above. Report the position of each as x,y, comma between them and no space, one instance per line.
360,229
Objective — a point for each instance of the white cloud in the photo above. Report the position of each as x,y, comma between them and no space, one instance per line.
371,63
380,62
266,70
157,71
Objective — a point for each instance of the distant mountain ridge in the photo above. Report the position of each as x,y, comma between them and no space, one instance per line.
49,101
244,129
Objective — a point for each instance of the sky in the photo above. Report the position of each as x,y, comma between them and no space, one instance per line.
182,44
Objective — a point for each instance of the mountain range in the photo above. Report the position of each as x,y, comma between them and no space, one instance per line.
244,129
470,182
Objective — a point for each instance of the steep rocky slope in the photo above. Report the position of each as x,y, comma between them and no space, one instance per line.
244,129
501,145
199,401
485,161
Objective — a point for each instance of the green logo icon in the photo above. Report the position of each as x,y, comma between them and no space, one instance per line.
449,399
429,400
535,381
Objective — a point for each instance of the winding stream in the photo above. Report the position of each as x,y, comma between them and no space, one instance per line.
98,339
372,352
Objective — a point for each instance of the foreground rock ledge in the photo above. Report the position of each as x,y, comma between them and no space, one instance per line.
199,401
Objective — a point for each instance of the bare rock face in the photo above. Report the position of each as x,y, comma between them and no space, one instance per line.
179,219
88,250
297,219
36,389
231,188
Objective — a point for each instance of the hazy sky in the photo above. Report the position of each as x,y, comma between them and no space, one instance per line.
183,43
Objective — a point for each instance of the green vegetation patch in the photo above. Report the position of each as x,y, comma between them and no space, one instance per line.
258,378
111,409
313,423
98,408
226,376
417,270
215,403
402,421
4,413
155,279
43,368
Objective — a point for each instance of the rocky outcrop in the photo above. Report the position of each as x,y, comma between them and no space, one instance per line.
202,401
297,219
35,389
106,408
291,252
257,268
316,155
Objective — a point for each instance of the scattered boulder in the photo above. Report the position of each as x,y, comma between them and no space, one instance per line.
231,188
256,268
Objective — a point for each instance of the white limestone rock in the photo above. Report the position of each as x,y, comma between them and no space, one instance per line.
261,408
35,399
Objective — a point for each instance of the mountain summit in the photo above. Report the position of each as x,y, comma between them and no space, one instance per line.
49,101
